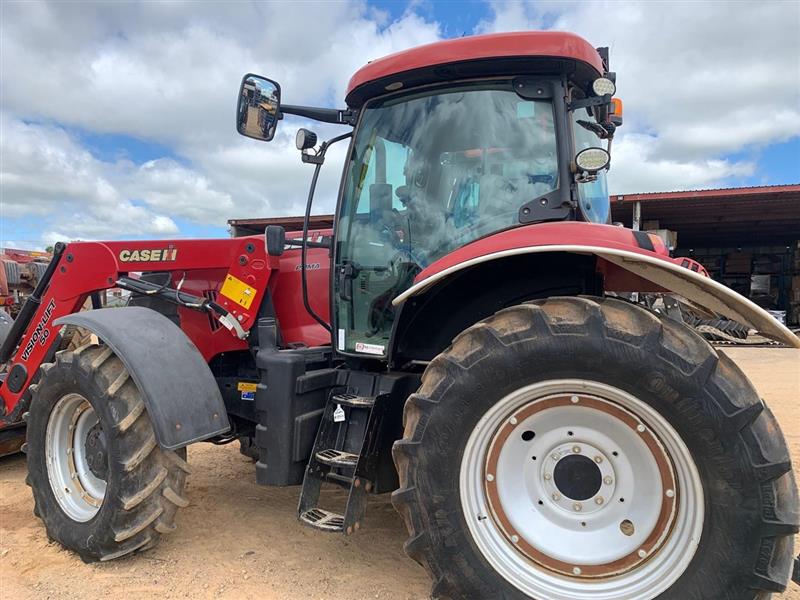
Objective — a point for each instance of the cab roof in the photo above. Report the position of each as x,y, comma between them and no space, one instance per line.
499,54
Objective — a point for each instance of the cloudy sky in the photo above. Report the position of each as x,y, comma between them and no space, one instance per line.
117,119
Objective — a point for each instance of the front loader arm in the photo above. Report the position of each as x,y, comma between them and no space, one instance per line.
80,269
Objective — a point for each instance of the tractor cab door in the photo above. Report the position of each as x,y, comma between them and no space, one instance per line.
430,172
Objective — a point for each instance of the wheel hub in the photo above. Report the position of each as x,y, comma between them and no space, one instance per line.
577,477
77,457
96,452
575,435
571,491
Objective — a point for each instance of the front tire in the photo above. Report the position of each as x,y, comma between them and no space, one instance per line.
101,484
684,439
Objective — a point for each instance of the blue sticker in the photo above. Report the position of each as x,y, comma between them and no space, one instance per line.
248,395
525,110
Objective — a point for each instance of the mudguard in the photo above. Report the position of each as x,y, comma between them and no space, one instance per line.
665,273
181,395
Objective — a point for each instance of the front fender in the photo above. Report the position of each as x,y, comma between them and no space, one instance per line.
181,395
654,268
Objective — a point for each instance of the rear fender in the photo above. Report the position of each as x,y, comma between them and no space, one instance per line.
181,395
661,273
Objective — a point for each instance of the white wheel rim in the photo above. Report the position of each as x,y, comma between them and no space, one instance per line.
77,490
596,546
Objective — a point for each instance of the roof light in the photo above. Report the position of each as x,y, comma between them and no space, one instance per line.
305,139
592,160
394,86
603,87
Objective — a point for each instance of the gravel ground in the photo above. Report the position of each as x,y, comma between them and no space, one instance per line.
239,540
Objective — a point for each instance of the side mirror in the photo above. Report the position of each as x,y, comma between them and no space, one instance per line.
275,239
259,106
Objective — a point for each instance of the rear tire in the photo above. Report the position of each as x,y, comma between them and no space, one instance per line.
732,442
101,484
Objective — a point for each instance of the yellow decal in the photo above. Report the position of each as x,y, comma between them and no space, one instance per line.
245,386
238,291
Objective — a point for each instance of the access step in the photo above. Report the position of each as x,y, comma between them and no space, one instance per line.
337,458
354,401
345,453
323,519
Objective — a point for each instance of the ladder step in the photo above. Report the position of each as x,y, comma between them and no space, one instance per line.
323,519
354,401
337,458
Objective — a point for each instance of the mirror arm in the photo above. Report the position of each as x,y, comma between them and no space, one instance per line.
585,102
299,243
326,115
305,245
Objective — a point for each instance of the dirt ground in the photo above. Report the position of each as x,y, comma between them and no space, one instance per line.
239,540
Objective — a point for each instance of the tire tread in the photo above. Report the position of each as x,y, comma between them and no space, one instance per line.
622,322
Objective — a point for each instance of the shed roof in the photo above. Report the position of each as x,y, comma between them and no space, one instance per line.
761,215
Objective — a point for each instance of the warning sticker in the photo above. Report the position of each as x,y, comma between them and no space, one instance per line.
238,291
369,348
247,389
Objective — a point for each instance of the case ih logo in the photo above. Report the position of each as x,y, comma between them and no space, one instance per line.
41,333
152,255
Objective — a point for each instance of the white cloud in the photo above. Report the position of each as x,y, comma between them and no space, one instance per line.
637,168
44,172
701,79
169,72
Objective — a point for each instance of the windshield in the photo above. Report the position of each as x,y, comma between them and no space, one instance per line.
429,173
592,195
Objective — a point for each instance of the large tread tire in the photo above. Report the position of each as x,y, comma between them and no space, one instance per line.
145,484
745,551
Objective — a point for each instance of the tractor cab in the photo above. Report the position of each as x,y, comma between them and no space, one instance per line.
442,154
433,170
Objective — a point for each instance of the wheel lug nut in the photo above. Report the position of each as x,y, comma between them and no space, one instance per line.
556,496
598,459
554,456
670,493
640,428
607,480
489,477
642,553
599,500
513,420
576,570
576,449
514,538
574,399
577,506
547,476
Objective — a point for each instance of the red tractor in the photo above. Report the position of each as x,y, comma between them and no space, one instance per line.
459,339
